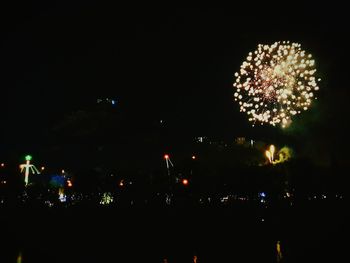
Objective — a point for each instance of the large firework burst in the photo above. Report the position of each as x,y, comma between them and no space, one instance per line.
275,83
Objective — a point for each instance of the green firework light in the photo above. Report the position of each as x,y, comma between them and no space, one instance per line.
27,168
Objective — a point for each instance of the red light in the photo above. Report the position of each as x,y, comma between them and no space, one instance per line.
166,156
185,182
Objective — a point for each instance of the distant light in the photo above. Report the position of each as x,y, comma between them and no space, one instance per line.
193,157
62,197
166,156
262,194
121,183
200,139
113,102
42,168
28,157
107,198
185,182
69,183
2,164
63,171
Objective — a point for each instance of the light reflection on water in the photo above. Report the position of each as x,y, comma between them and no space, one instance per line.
173,236
278,251
178,255
195,260
19,257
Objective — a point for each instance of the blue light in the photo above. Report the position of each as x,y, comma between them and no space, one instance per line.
262,194
113,102
57,181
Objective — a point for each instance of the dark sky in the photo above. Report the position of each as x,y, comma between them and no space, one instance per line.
173,64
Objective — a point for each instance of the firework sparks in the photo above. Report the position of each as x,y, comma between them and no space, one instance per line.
275,83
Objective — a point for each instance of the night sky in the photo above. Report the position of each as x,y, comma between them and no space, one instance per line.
170,64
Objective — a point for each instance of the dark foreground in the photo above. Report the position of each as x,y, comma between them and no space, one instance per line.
309,232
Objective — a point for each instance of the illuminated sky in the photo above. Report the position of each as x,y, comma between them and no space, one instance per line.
171,64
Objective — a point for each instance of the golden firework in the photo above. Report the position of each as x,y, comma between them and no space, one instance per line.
275,83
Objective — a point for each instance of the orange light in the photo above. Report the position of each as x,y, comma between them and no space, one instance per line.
166,156
69,183
185,182
193,157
